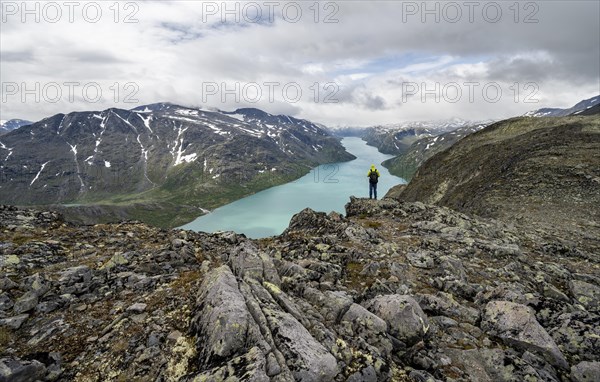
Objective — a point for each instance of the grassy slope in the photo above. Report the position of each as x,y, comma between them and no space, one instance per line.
523,170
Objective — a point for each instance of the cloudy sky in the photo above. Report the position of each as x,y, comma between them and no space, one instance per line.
336,62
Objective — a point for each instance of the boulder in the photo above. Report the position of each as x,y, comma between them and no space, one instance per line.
586,294
308,359
17,370
516,326
14,322
585,372
5,302
421,259
26,302
403,315
222,324
444,304
359,322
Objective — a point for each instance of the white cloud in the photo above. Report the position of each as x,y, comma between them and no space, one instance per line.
371,54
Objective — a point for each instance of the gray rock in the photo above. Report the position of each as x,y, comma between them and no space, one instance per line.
371,269
482,365
403,315
517,326
308,360
587,278
246,260
5,302
420,259
37,283
359,322
443,322
14,322
178,243
138,307
272,366
504,250
249,367
356,233
578,334
367,374
116,260
444,304
74,275
26,302
361,318
513,292
541,368
222,323
585,372
154,339
48,306
54,371
7,284
421,376
16,370
586,294
453,267
552,292
331,305
174,336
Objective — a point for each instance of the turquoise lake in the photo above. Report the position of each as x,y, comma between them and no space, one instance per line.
326,188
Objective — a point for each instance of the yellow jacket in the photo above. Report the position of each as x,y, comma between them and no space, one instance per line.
375,170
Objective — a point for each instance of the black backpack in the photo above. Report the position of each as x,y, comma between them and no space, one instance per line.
373,177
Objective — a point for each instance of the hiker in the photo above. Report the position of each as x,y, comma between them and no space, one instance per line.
373,176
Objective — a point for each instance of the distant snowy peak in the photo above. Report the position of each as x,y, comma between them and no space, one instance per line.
434,126
12,124
593,110
556,112
249,116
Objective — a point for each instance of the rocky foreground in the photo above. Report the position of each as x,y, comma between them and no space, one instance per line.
394,291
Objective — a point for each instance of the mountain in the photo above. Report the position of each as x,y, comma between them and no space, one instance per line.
554,112
393,291
12,124
395,139
543,171
407,163
592,110
157,158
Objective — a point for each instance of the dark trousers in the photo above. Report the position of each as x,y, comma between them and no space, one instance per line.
372,190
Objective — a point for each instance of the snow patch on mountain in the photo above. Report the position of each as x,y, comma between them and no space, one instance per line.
74,150
557,112
38,174
179,152
239,117
126,122
146,122
188,112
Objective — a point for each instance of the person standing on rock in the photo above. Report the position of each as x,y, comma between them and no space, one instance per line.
373,176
